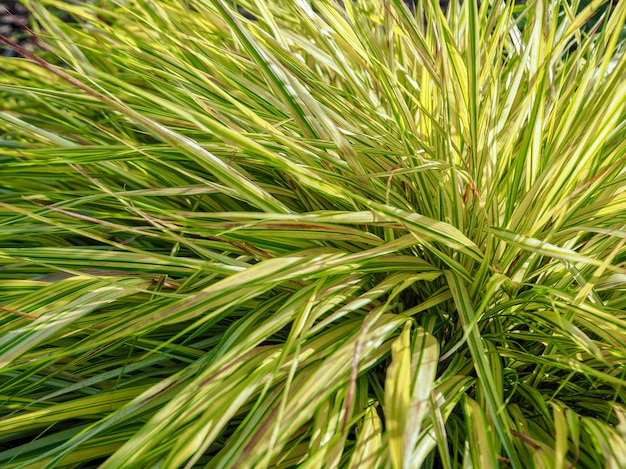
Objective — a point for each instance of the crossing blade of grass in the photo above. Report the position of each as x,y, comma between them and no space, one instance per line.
398,396
369,443
424,361
481,448
410,379
477,348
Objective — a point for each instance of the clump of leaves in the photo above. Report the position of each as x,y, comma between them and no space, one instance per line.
340,236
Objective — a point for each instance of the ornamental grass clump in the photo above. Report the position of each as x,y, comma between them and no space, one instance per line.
317,236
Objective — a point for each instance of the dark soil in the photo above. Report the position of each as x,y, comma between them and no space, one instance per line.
13,22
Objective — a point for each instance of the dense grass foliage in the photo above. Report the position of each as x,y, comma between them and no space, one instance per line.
348,237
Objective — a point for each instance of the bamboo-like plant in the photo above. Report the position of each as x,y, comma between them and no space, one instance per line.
340,236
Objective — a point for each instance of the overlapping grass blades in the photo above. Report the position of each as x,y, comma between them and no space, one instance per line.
329,236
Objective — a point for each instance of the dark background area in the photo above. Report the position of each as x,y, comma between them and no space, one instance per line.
13,17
